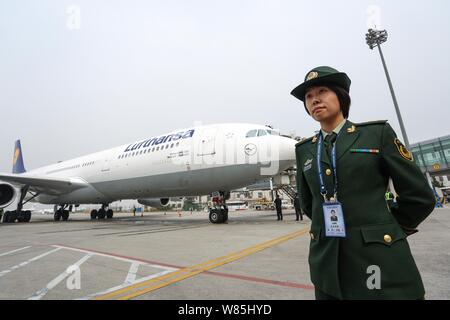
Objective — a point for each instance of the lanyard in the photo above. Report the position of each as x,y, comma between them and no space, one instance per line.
323,189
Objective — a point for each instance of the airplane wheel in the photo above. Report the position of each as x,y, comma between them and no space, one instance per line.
109,214
101,214
12,217
215,216
20,216
6,217
94,214
57,215
27,216
65,215
225,215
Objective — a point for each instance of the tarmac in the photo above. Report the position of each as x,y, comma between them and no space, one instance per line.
183,256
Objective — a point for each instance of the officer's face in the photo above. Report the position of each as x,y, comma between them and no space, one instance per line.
322,103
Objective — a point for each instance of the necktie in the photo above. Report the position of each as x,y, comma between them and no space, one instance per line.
329,141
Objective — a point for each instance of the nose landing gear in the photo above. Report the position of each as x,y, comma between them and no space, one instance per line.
219,212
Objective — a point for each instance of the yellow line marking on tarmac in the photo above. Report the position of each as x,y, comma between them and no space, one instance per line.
179,275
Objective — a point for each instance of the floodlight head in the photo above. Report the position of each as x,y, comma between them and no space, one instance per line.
375,37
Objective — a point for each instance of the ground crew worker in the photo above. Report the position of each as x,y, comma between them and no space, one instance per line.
277,202
346,167
298,209
389,198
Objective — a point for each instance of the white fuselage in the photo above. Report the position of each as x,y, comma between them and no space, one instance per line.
187,162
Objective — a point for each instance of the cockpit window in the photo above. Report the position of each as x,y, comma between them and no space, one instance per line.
262,133
274,133
251,133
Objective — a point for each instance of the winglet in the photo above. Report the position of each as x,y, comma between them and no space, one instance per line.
18,166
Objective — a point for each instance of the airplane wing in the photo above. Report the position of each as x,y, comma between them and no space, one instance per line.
44,184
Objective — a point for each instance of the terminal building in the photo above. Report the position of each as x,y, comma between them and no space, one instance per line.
433,156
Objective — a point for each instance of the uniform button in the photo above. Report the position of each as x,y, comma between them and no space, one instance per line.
312,235
387,238
328,172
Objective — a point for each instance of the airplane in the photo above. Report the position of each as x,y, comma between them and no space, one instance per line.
200,160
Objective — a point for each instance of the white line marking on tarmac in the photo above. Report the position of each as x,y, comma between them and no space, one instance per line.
17,250
159,274
23,264
52,284
131,276
130,279
117,258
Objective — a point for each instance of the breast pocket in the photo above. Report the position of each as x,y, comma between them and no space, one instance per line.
360,163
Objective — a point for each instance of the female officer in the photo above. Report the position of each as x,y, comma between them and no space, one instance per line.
345,168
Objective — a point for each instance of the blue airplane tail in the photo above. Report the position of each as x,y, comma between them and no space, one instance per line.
18,166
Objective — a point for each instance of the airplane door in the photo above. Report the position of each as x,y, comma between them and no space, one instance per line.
207,142
106,167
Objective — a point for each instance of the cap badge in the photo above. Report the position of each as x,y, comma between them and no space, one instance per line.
312,75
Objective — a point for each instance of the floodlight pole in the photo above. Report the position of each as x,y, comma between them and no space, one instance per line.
373,40
397,109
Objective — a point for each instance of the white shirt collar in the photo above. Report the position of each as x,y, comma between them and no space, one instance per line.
335,130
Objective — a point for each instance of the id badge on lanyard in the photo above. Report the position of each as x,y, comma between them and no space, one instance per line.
334,220
333,214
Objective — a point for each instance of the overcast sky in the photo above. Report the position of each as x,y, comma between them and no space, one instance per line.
82,76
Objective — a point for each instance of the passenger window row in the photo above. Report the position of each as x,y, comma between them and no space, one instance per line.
88,164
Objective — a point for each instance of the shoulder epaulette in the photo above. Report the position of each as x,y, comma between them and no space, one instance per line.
369,123
304,140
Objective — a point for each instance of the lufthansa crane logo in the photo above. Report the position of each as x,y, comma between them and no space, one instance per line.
250,149
16,156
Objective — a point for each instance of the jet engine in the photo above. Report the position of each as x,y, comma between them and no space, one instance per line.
7,194
155,202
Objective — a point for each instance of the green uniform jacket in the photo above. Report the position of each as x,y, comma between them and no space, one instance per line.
341,267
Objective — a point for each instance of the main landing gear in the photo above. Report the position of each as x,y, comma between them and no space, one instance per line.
219,212
19,214
62,212
12,216
103,212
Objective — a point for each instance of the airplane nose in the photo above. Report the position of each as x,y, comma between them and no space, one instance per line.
287,149
280,157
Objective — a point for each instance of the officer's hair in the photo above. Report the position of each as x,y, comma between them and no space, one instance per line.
343,96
